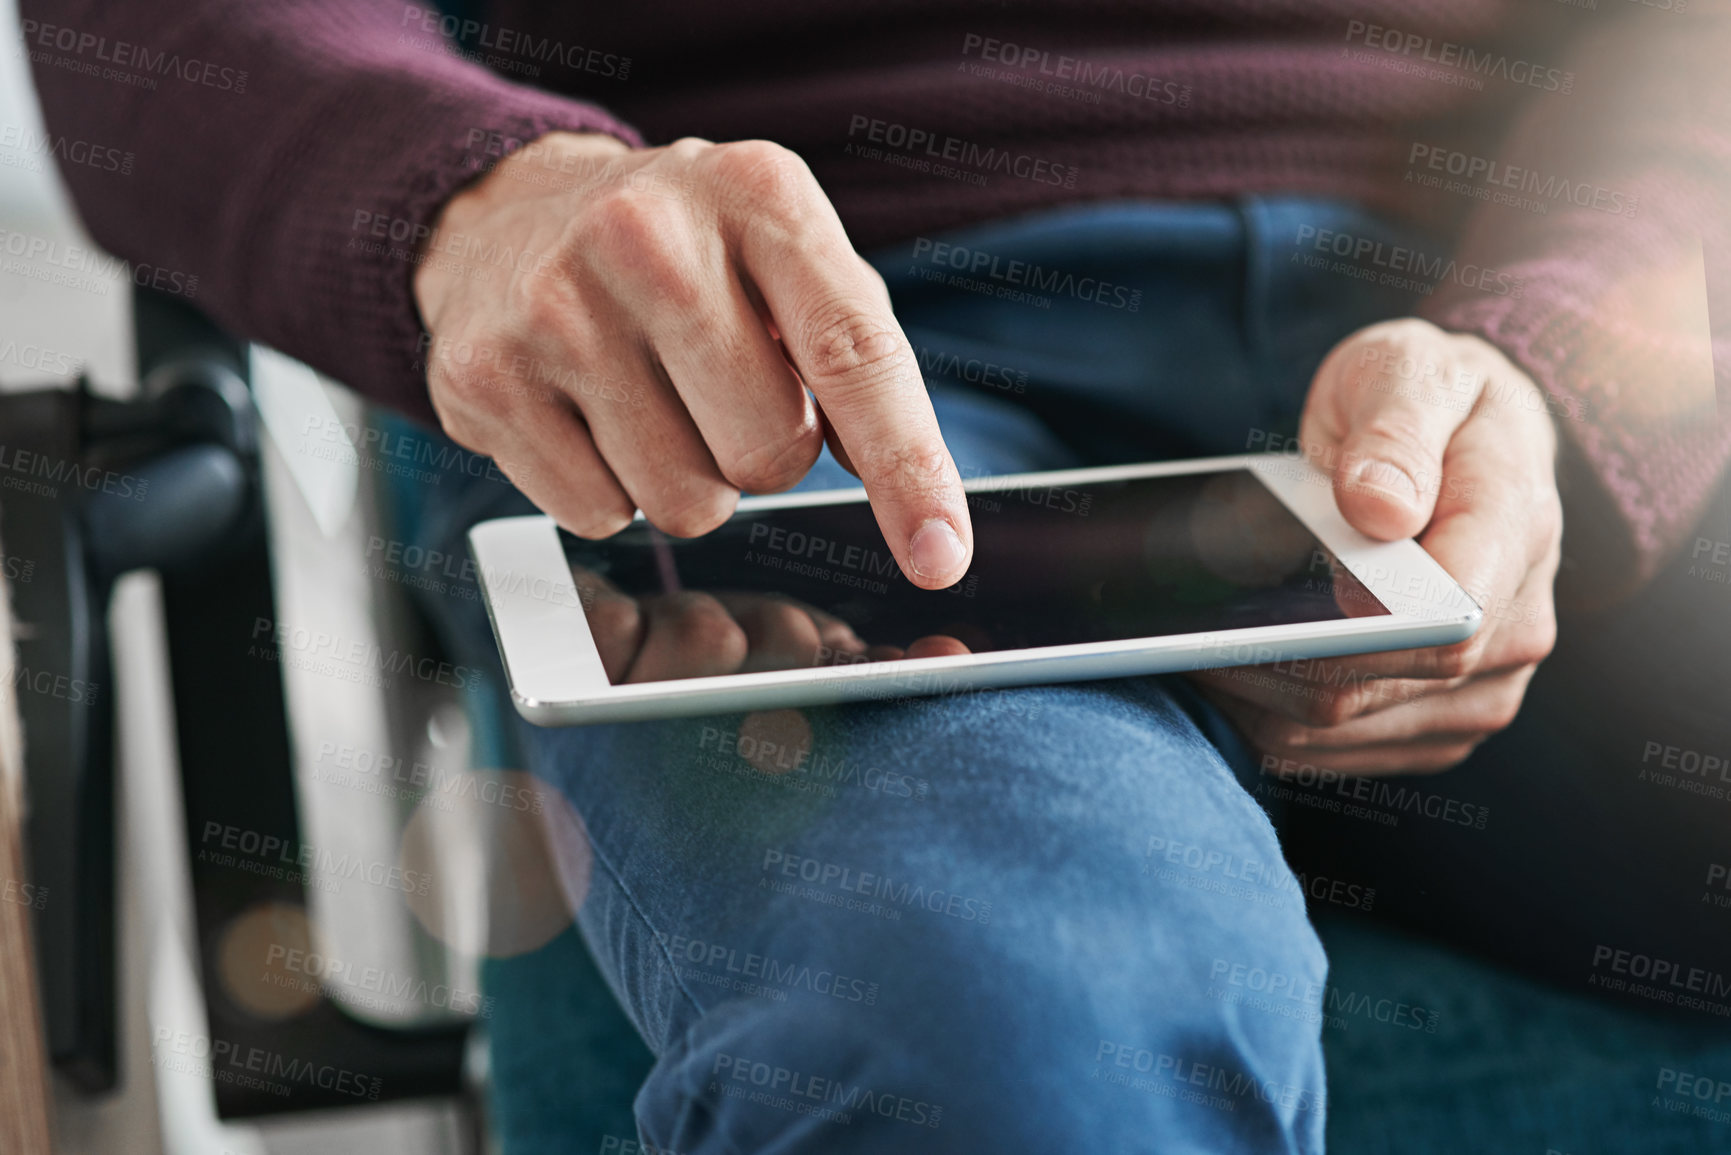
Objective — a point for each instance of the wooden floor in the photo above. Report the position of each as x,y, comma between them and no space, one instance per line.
23,1075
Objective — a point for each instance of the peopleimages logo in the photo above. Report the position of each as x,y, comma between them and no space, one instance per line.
97,50
1079,76
766,969
973,370
1026,274
1704,1088
1485,178
476,38
349,981
228,1062
813,547
912,895
100,267
57,471
1373,260
1663,979
1497,65
969,154
273,856
67,151
39,357
1190,1073
1394,798
324,652
802,1092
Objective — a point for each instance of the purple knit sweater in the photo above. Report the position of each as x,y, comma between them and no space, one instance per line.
287,153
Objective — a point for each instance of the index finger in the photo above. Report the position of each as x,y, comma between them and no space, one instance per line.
839,332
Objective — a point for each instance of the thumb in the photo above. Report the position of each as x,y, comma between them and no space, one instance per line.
1389,457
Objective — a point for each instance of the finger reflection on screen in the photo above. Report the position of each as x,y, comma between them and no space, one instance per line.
699,634
783,634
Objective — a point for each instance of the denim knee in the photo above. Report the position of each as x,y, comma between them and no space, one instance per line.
1145,978
979,1054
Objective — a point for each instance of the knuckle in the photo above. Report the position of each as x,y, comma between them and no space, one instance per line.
696,514
774,466
1332,708
1402,333
1457,660
622,221
551,314
852,349
1274,732
594,522
870,272
536,306
1547,513
688,147
764,172
642,240
1543,637
460,398
1535,637
451,384
1504,712
1390,338
906,470
458,427
1448,662
446,393
1394,431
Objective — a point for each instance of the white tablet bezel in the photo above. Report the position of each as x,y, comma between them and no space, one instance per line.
556,676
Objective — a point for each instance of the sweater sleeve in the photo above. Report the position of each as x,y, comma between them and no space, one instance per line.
1622,303
279,162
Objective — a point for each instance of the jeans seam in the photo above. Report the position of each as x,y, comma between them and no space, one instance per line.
636,909
678,984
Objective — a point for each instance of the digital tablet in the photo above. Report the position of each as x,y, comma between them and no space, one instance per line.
1080,574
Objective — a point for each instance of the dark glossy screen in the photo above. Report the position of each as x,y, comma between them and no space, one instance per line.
1053,565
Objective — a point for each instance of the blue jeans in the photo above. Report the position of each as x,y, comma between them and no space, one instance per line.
1036,920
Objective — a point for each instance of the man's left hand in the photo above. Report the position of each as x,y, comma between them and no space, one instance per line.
1435,435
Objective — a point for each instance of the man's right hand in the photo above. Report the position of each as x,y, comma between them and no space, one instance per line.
636,329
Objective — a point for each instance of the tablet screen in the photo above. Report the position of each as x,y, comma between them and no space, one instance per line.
1053,565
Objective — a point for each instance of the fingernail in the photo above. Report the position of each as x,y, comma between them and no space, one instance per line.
1388,477
935,550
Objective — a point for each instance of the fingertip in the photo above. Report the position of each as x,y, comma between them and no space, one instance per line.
937,555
